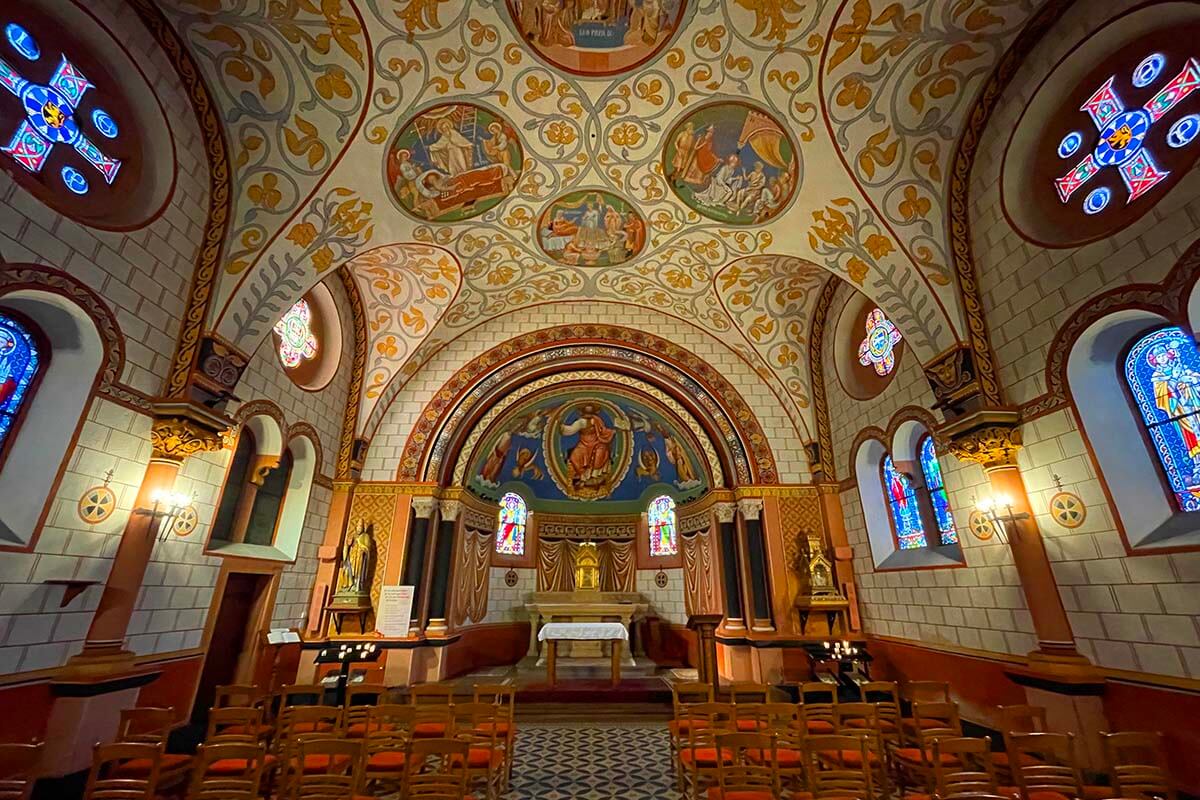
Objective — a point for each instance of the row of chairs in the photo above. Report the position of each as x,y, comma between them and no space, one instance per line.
899,752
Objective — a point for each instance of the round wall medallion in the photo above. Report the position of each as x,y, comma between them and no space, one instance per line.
591,228
660,579
510,578
732,163
97,504
453,162
1068,509
186,522
981,526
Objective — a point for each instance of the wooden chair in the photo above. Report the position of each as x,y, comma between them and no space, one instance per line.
1017,719
431,693
443,775
152,725
747,693
699,757
18,763
231,724
750,772
475,723
504,697
817,700
238,695
862,719
104,782
682,696
227,771
927,692
360,697
386,738
846,774
914,764
297,724
963,766
433,702
1051,766
1137,765
332,769
886,697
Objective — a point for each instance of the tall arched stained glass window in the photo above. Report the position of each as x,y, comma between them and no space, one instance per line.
660,519
902,502
510,525
21,363
1163,373
947,533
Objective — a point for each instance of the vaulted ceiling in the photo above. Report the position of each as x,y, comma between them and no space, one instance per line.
872,95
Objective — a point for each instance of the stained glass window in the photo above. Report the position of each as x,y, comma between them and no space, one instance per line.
902,501
20,362
1163,373
1122,132
510,526
296,339
878,350
660,518
936,487
52,116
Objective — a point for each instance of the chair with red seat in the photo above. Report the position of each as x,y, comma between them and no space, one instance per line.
845,774
1017,719
1047,768
747,693
359,698
1137,764
682,696
387,733
920,692
332,770
152,725
931,720
818,700
963,766
886,697
433,702
227,771
105,782
781,721
751,772
234,695
297,724
18,766
699,757
862,719
475,723
235,724
504,697
443,771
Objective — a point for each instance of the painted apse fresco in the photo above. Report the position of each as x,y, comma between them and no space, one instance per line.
596,446
453,162
596,37
732,163
592,228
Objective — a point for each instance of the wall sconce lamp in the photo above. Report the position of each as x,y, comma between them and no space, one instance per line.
998,509
166,508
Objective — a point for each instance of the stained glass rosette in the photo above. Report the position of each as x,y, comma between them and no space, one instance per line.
902,500
878,349
19,363
296,339
660,518
1163,373
947,532
510,526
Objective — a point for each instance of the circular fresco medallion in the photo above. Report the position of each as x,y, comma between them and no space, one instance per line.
588,447
97,504
1068,509
511,578
186,522
660,579
981,526
732,163
453,162
591,228
595,38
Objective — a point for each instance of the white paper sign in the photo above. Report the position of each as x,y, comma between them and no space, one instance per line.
395,611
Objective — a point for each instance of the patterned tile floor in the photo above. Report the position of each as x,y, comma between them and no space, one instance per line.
592,762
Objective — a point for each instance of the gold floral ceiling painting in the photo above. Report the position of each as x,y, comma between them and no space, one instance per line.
711,161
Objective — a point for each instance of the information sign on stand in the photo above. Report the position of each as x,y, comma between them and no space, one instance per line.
395,611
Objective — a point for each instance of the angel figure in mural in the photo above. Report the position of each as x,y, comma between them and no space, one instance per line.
590,460
355,578
489,474
677,455
1177,394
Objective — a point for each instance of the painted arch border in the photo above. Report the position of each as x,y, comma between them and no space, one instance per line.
416,454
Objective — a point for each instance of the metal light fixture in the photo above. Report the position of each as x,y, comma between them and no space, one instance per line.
998,508
166,508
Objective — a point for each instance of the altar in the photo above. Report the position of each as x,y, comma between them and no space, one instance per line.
584,606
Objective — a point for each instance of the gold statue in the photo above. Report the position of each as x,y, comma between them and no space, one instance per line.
587,568
354,580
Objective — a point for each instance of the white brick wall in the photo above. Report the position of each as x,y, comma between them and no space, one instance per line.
507,603
667,603
388,443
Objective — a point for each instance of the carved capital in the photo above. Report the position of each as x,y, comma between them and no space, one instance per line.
450,509
751,507
423,506
989,438
951,375
725,511
181,430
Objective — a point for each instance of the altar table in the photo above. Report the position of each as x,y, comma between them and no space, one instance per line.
554,632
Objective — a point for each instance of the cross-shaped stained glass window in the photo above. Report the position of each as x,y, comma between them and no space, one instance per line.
53,117
878,349
1123,131
296,339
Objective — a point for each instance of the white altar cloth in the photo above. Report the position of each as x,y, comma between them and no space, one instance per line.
583,631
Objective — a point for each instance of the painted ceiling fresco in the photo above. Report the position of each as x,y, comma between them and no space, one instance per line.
714,160
599,446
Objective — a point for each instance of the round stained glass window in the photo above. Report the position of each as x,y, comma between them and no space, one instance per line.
878,348
297,342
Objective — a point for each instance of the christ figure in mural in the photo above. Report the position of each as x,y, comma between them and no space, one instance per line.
452,153
590,459
1177,394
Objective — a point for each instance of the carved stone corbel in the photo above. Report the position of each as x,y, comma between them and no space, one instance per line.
989,438
181,430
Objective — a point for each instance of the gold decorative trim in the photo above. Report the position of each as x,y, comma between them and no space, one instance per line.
789,490
820,402
988,438
358,367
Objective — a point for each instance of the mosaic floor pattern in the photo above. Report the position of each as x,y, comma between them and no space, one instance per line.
578,762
